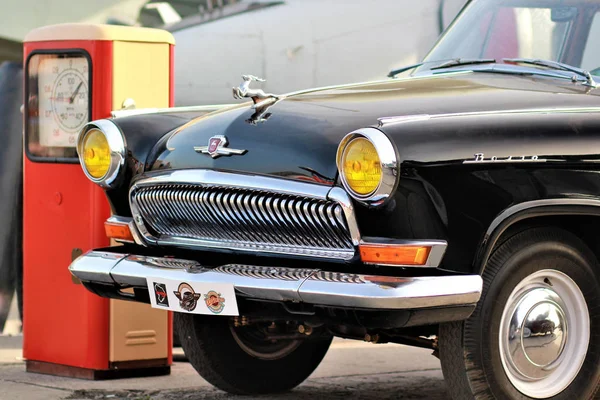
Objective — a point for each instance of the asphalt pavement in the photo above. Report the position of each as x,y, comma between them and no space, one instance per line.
352,369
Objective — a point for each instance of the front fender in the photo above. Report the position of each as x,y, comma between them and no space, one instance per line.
528,211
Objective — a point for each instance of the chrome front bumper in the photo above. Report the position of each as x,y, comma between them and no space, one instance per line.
311,286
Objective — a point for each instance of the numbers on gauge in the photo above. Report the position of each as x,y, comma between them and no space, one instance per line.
63,90
69,99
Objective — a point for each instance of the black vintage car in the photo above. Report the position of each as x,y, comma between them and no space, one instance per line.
454,206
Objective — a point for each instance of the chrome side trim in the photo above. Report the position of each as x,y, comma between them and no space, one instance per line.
390,166
117,144
287,284
517,208
499,224
402,118
146,111
385,121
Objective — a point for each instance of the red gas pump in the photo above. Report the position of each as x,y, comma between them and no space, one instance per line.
75,73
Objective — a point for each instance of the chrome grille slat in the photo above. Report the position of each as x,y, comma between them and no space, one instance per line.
320,215
266,209
213,222
232,217
333,221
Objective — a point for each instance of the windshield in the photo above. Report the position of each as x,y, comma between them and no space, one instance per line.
566,31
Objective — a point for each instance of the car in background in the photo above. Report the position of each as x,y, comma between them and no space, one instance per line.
293,44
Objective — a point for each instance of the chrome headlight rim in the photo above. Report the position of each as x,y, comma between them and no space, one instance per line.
116,144
390,167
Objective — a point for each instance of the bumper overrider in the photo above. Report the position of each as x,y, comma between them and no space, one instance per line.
114,271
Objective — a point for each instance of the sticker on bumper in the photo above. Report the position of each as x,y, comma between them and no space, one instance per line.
192,297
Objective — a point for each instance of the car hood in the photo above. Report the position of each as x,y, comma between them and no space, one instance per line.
297,136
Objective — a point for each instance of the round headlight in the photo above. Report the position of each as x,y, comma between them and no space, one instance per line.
96,153
361,166
101,150
368,166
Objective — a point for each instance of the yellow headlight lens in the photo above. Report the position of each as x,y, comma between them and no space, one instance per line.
361,166
96,154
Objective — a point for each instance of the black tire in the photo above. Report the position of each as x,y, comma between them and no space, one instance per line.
211,348
176,340
470,350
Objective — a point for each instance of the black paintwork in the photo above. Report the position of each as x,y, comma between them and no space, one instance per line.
142,133
439,197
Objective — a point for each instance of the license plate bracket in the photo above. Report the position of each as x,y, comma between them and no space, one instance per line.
193,297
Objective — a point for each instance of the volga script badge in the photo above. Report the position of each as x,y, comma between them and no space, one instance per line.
188,299
217,146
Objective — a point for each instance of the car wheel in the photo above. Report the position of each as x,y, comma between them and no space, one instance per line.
536,330
239,360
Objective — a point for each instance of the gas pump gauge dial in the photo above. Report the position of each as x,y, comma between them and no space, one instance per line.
59,102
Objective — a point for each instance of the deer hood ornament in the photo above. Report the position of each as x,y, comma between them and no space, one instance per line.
244,90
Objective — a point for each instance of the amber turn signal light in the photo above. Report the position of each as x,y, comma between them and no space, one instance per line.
394,254
118,231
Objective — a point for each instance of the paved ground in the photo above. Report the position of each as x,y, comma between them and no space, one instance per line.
351,369
356,369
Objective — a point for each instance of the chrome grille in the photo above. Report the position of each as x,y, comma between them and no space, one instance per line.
240,218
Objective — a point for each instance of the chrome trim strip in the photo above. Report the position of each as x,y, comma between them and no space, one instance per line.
384,121
512,210
117,144
287,284
210,178
146,111
390,165
498,226
402,118
340,196
438,249
188,243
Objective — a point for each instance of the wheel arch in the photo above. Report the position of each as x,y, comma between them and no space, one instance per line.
568,213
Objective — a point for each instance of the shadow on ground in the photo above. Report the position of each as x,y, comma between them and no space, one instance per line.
376,387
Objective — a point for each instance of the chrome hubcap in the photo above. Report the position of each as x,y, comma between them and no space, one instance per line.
544,334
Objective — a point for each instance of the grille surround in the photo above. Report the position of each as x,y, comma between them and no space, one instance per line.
248,213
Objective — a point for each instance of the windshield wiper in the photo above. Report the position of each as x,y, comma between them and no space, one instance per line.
446,64
555,65
464,61
397,71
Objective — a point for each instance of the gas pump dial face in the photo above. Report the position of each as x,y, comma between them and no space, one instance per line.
63,99
59,102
